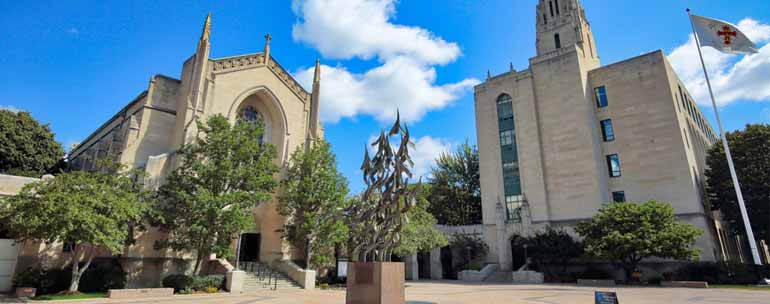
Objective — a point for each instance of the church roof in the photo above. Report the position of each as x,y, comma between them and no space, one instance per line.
247,61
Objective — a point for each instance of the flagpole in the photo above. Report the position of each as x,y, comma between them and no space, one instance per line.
744,214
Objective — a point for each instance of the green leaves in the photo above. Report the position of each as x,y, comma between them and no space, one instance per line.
629,232
750,150
94,208
208,200
26,147
313,201
455,196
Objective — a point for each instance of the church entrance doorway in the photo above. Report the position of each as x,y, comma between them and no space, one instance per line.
250,243
518,252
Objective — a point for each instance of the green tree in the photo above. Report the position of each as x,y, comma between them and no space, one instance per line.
750,149
26,147
630,232
551,247
208,200
420,233
90,210
455,197
313,201
468,250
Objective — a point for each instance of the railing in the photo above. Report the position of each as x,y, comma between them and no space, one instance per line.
264,274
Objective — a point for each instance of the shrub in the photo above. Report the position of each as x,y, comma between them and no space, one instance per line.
212,289
177,281
323,286
595,273
722,273
46,281
203,283
183,283
103,275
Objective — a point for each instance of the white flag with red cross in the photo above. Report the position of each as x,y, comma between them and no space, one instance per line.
723,36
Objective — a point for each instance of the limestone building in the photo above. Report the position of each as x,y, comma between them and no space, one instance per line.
566,135
146,133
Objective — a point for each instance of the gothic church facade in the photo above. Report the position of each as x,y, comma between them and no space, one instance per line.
146,133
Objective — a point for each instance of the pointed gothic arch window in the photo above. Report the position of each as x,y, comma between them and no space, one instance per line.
251,115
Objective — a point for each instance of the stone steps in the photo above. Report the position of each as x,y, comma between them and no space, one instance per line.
266,279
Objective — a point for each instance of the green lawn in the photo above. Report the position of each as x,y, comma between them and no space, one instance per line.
744,287
71,297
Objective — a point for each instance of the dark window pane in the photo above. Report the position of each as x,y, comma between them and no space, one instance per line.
607,132
613,165
601,96
557,41
618,196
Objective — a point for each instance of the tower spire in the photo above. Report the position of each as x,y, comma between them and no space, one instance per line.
317,74
267,46
206,28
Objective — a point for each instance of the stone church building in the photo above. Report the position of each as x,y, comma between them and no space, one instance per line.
566,135
146,133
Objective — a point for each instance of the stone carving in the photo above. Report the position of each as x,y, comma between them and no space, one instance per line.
387,197
237,63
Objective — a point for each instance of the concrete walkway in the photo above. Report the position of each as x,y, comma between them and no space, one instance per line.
447,292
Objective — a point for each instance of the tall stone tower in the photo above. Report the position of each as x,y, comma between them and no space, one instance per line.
563,24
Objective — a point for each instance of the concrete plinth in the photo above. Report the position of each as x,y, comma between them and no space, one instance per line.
234,281
375,283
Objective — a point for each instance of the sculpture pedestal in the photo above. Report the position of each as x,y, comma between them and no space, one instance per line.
375,283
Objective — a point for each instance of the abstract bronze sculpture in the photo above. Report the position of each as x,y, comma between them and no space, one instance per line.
379,219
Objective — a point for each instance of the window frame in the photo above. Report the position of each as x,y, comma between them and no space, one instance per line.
613,158
616,193
607,137
601,102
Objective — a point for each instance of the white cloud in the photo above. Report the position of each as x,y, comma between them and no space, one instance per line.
344,29
10,108
426,150
733,77
399,84
406,79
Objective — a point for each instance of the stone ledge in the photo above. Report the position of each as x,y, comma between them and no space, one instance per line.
140,293
599,283
685,284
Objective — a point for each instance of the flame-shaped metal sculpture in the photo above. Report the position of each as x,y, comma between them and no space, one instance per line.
387,197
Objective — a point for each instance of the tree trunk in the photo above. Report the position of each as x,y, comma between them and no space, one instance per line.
77,271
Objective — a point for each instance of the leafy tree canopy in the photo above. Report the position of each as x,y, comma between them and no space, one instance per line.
455,196
313,201
208,200
420,233
629,232
750,149
26,147
90,210
551,246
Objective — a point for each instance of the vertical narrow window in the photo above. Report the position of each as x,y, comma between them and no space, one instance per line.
613,165
545,19
550,4
590,46
619,196
686,139
608,134
557,41
681,95
509,157
601,96
557,6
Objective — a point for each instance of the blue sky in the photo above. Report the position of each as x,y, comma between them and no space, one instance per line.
73,64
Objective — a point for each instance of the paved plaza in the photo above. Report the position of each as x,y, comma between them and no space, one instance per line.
444,292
